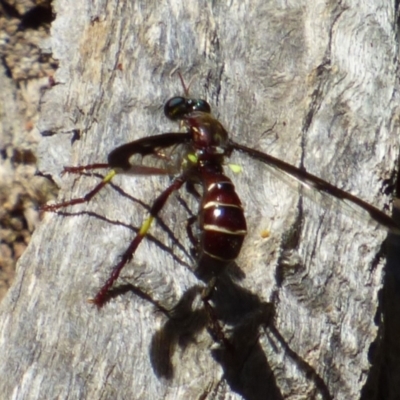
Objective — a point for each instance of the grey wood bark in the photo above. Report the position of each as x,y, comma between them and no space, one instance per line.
314,84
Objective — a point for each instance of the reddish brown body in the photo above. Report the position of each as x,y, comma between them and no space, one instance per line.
221,220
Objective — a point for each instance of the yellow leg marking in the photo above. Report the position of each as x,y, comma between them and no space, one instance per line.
192,158
145,226
109,176
235,168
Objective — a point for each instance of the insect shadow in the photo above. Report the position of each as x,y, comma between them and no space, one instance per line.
238,350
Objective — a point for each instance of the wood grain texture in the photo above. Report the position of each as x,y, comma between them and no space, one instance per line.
313,84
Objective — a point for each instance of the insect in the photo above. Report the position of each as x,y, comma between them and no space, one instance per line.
221,222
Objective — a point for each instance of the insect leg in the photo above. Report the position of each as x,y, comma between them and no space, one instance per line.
87,197
119,159
82,168
192,237
215,328
158,204
190,188
134,169
355,205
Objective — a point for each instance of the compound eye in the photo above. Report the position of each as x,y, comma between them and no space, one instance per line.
176,108
201,105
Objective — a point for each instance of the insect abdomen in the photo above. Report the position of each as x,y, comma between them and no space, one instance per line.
222,222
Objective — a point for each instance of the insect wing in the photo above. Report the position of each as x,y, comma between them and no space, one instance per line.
150,155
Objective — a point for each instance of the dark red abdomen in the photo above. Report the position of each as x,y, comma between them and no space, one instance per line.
221,220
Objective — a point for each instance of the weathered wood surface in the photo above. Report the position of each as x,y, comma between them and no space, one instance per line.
312,84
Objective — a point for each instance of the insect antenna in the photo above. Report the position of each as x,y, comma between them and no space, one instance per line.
185,88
